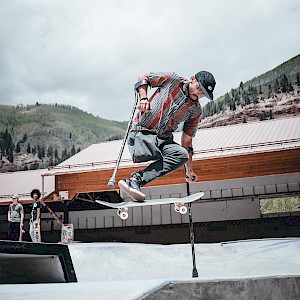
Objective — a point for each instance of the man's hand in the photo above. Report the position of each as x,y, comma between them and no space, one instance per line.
190,176
144,105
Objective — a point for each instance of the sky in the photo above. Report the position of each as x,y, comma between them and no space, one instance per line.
90,53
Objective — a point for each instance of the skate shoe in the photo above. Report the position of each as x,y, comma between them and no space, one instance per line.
132,188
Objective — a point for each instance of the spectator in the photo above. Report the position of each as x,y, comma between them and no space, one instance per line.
15,219
34,224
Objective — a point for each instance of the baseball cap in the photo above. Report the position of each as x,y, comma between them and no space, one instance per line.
16,196
207,83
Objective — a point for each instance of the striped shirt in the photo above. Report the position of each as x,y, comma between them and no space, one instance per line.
170,106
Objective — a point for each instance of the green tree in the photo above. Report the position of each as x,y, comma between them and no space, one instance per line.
34,150
50,151
24,138
276,86
73,151
18,148
269,91
227,99
284,84
28,148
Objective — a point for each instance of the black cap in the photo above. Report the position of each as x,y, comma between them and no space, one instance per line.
207,83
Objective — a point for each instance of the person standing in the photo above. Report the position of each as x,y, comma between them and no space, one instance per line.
15,218
34,224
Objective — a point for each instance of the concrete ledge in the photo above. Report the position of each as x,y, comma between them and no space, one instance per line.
26,262
275,288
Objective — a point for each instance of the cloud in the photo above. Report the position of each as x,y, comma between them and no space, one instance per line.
90,53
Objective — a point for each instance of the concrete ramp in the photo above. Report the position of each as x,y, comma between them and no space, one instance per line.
25,262
273,288
266,269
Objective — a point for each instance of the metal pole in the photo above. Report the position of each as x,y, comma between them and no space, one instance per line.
112,181
191,227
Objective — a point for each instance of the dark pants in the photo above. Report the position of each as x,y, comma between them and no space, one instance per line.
13,231
173,156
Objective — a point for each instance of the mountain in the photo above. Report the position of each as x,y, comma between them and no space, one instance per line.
36,136
40,135
273,94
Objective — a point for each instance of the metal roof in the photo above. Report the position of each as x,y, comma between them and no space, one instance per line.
245,138
23,182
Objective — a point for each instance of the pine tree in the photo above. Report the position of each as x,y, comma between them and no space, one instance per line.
269,91
24,139
55,153
284,84
33,150
73,151
276,86
227,99
39,152
18,148
28,148
298,79
50,151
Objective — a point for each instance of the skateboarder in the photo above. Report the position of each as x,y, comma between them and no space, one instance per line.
176,100
15,219
34,224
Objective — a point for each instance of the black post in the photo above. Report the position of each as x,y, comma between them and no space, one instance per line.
66,213
192,239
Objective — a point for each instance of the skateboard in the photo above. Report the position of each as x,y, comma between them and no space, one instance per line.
67,233
37,232
179,204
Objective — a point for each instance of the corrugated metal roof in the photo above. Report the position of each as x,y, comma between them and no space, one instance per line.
262,136
23,183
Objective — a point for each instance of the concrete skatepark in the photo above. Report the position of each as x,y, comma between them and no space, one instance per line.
249,269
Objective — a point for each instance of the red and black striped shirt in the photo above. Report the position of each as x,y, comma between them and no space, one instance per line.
170,106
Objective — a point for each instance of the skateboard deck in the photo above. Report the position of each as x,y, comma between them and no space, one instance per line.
67,233
37,232
179,204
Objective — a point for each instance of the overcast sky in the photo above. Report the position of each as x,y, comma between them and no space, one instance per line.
89,53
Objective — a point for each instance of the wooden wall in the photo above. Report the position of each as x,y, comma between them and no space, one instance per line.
250,165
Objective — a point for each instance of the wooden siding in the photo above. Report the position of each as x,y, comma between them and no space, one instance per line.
242,166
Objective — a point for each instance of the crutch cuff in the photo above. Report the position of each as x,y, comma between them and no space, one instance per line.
140,83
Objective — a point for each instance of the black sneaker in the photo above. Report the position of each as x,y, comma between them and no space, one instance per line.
132,188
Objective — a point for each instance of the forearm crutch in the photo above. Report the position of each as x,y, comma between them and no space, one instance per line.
112,181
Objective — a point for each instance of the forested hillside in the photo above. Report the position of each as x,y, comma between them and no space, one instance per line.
39,135
273,94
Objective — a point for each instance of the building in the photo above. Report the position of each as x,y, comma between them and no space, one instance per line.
238,165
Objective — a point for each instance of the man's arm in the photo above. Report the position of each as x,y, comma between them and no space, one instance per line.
38,214
144,104
22,217
187,141
9,215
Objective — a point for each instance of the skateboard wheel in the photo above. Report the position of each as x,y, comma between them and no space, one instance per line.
123,215
176,208
183,210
